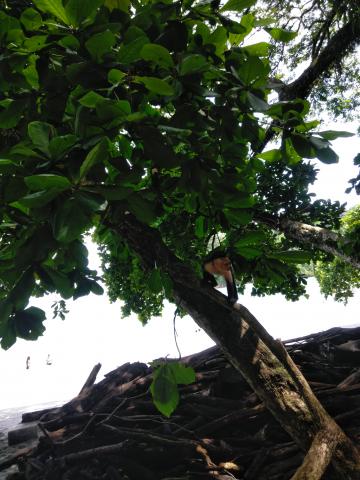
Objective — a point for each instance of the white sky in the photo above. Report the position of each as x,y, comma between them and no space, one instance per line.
94,332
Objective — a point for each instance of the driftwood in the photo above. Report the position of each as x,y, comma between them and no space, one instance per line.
220,430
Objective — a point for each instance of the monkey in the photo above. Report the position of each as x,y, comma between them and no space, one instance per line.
219,263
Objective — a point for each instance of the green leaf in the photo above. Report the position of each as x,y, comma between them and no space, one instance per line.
194,63
292,256
155,281
100,44
35,43
327,155
333,134
134,41
248,252
61,282
252,70
183,375
116,76
273,155
39,199
156,85
70,220
47,181
59,146
281,35
238,216
79,10
112,193
54,7
11,114
39,133
256,103
250,238
157,54
122,5
29,323
70,42
96,288
200,227
260,49
237,5
91,99
142,208
97,154
164,390
31,19
303,146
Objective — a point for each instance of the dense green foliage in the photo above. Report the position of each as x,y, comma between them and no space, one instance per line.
157,108
337,278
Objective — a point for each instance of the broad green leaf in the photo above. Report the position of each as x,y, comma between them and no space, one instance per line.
59,146
260,49
39,199
248,252
142,208
35,43
5,311
8,336
70,220
112,193
113,111
130,50
155,281
96,288
200,227
122,5
156,85
97,154
157,54
47,181
100,44
292,256
61,282
250,238
237,5
238,216
116,76
29,323
79,10
31,19
164,390
333,134
54,7
11,113
194,63
70,42
257,104
91,99
183,375
270,155
281,35
39,133
327,155
253,69
303,146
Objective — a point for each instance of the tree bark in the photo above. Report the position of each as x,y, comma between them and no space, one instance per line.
261,360
322,238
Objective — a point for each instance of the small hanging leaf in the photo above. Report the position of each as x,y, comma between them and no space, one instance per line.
156,85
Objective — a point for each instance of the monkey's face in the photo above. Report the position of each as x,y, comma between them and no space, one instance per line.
221,265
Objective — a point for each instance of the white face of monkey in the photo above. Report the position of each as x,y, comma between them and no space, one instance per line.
221,265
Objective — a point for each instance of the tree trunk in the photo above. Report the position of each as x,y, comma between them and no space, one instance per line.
262,361
324,239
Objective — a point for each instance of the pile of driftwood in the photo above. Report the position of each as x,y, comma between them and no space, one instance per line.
220,430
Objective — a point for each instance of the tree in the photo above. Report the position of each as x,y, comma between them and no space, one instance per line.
139,120
338,278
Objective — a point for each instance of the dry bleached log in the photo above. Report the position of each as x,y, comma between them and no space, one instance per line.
220,430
